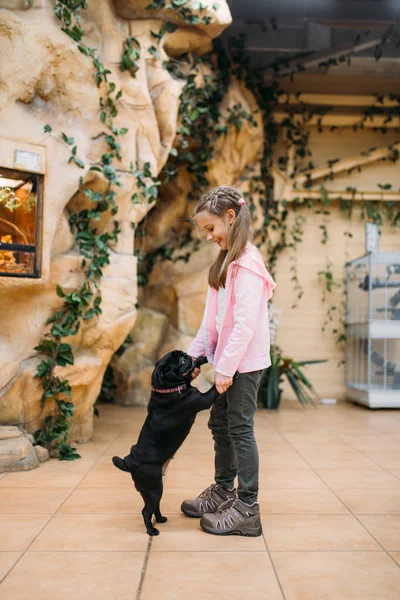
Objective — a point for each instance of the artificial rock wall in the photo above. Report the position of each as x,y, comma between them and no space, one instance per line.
172,303
44,79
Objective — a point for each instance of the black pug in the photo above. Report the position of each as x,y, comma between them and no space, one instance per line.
172,410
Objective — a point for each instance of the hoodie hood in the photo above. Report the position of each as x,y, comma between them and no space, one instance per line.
251,259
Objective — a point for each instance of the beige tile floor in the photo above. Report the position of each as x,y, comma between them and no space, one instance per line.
330,505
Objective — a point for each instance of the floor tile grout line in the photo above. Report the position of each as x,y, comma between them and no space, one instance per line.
144,569
10,569
324,428
344,504
266,544
316,473
356,449
274,567
52,516
263,514
356,407
328,430
313,469
78,551
377,541
26,549
202,551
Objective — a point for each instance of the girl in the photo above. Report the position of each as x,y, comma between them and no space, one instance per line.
234,335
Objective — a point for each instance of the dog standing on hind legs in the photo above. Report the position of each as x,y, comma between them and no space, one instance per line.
172,410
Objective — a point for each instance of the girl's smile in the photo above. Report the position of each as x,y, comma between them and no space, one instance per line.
215,228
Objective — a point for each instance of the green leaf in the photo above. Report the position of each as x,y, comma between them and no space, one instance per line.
67,140
89,314
109,172
84,49
43,368
194,115
154,52
60,292
79,162
47,128
135,198
324,195
64,355
46,347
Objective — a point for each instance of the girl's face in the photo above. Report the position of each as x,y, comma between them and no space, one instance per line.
216,228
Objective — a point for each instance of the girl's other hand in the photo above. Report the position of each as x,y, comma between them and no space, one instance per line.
222,382
195,373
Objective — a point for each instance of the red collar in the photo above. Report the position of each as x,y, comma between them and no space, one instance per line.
170,390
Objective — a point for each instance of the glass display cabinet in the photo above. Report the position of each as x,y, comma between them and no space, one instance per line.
372,365
20,223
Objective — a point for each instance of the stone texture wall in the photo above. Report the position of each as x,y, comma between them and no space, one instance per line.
44,79
172,303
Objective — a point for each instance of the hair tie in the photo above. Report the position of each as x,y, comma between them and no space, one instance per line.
241,202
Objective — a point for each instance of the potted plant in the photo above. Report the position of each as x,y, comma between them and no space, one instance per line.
281,367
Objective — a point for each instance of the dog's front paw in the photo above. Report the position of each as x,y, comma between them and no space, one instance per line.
152,531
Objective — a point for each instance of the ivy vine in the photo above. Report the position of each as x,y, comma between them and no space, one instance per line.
200,125
225,64
83,303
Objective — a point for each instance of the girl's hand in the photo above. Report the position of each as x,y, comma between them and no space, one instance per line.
222,382
196,371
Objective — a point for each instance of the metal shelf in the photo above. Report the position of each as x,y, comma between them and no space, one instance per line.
374,329
374,398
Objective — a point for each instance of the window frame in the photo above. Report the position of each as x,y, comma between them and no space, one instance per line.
35,249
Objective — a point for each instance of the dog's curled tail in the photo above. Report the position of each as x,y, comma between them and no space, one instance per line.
120,464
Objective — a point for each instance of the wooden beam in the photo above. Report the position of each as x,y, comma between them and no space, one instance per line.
368,196
336,100
345,164
333,119
316,58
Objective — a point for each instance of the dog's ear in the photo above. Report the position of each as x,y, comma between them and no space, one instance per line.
157,377
161,369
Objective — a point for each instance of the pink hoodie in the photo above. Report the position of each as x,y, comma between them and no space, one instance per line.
243,344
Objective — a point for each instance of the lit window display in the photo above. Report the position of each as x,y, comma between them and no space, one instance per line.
20,212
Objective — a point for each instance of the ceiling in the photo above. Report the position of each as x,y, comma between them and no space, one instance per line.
321,28
347,11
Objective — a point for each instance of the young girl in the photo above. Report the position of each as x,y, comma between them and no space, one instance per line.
234,335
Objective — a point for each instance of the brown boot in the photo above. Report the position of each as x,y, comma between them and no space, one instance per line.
208,501
234,518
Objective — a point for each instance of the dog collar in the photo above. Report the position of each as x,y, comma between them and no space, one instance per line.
179,389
